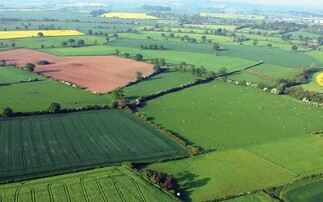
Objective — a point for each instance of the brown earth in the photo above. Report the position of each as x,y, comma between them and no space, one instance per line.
100,74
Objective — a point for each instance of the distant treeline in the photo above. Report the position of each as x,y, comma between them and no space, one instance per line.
96,13
156,8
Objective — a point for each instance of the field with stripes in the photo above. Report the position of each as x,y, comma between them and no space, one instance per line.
44,145
106,184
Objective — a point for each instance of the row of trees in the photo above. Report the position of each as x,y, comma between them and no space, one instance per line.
73,43
53,108
152,47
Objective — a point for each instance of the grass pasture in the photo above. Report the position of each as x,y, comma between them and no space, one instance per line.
37,96
304,191
142,16
157,83
29,33
44,145
106,184
219,115
226,173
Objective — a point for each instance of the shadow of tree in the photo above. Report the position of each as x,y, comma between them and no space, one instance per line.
189,183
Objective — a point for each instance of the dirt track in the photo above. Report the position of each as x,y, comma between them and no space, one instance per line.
96,73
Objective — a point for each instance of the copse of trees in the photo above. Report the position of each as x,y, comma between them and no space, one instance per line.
7,112
139,57
54,108
152,47
42,62
96,13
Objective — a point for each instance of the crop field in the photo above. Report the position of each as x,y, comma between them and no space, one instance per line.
157,83
222,115
232,15
25,34
319,79
38,95
228,172
43,145
106,184
128,15
307,191
95,73
315,83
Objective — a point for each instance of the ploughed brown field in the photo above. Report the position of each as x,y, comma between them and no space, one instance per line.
100,74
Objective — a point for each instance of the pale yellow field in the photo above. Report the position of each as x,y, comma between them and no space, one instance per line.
319,79
34,33
128,15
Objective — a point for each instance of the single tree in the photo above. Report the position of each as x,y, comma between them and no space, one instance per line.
40,34
126,55
80,43
30,67
107,39
117,52
156,68
54,108
118,94
162,62
216,47
294,48
71,42
210,75
139,75
7,112
139,57
269,45
64,43
89,32
13,44
222,71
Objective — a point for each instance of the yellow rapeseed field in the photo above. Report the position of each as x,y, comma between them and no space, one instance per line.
319,79
128,15
34,33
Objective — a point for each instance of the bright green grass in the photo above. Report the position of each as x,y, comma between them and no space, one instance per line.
306,191
313,85
266,73
301,155
157,83
9,75
37,96
218,114
304,34
273,56
258,197
216,174
209,61
105,184
317,55
35,43
43,145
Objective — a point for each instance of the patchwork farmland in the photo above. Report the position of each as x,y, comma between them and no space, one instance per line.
44,145
223,104
96,73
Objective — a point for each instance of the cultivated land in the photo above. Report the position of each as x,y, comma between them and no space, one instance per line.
34,33
143,16
106,184
96,73
46,145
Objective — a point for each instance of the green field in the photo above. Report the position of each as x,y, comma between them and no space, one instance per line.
306,191
222,115
258,197
38,95
224,173
157,83
43,145
106,184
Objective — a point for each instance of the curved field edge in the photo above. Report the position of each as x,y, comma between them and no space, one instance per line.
52,144
303,191
112,183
